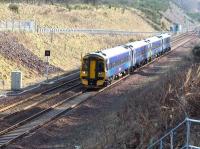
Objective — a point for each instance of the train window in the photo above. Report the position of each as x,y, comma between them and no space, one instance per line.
100,66
167,40
85,65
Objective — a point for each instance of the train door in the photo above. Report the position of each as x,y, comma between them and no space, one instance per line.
163,45
149,46
133,57
92,69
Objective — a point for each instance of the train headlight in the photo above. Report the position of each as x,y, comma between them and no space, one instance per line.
100,74
84,73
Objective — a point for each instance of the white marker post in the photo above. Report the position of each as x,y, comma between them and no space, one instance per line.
47,55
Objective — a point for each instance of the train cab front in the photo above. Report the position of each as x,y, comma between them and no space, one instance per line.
93,72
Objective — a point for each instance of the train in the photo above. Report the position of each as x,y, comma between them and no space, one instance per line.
99,69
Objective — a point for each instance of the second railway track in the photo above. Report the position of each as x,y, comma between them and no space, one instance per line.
37,104
37,120
25,101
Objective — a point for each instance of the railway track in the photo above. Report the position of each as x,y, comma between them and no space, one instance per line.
37,120
11,106
22,101
45,97
25,109
37,96
180,37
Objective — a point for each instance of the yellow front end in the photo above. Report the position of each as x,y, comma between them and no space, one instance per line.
92,72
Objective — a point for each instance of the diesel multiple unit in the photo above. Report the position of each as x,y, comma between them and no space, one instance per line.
100,68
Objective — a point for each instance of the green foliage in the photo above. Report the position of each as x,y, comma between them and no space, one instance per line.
68,7
131,40
151,8
154,5
195,16
14,8
196,50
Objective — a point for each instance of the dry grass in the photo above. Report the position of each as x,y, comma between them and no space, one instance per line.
66,49
6,66
80,16
143,119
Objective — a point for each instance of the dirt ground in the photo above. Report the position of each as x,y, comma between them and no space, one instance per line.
125,116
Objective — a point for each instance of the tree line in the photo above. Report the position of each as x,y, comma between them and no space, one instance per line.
52,2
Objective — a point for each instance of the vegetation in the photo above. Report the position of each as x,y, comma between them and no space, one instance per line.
141,120
67,48
14,7
93,2
152,8
196,51
195,16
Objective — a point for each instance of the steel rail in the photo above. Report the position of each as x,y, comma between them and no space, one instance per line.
35,96
25,127
51,89
36,102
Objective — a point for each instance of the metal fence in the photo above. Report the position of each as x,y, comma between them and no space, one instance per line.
18,25
186,132
93,31
32,26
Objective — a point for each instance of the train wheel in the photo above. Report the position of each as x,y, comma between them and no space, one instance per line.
110,81
149,60
127,71
106,83
116,77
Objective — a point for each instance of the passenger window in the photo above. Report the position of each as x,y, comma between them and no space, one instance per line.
100,66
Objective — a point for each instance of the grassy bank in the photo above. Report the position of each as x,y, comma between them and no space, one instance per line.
67,49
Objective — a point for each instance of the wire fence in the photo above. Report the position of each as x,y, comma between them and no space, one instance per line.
186,135
94,31
32,26
17,25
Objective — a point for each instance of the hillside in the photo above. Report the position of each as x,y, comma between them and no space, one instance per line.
131,114
66,48
189,5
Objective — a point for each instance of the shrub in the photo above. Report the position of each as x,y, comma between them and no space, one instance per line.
196,50
131,40
14,8
68,7
123,10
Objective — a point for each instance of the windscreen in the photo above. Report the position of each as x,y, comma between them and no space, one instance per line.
100,66
85,65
